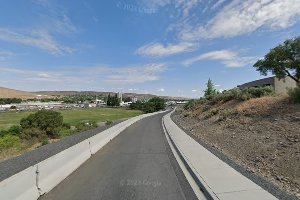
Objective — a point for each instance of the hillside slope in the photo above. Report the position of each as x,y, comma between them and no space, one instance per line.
11,93
262,135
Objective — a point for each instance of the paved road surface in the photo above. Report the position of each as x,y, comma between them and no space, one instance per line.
137,164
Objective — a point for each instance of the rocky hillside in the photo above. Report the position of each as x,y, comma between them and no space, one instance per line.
261,135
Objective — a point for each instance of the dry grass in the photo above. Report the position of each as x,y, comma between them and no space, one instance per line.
260,134
14,152
10,93
261,106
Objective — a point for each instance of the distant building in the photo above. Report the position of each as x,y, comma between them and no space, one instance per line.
134,100
120,96
280,86
125,104
100,103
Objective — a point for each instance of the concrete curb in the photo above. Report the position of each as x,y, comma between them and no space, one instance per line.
217,179
188,173
40,178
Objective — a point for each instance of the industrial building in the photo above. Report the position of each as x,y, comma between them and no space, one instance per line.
280,86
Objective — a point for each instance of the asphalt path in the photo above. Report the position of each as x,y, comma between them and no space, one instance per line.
137,164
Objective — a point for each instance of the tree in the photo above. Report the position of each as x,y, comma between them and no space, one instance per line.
127,99
282,61
158,103
45,120
108,102
116,100
153,105
113,101
210,91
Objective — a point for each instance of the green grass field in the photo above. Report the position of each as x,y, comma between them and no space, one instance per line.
74,116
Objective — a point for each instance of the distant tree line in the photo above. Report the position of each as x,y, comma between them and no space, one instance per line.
153,105
9,100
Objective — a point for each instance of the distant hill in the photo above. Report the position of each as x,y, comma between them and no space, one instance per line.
11,93
104,94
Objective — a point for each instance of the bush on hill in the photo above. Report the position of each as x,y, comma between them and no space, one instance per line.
295,94
243,94
234,94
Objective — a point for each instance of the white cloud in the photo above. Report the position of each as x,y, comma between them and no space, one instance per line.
133,89
155,4
134,74
161,90
36,38
54,18
242,17
217,4
186,6
160,50
5,55
228,58
181,10
87,76
30,75
232,18
183,5
194,90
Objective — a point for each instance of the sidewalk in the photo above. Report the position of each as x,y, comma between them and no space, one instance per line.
220,181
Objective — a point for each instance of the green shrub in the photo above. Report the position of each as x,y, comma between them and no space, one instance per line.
243,95
15,130
10,141
157,103
260,92
137,105
189,105
65,133
149,107
84,126
295,94
3,133
153,105
33,133
45,142
108,122
212,113
46,120
66,126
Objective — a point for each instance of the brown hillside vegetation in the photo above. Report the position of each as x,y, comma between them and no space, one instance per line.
262,135
11,93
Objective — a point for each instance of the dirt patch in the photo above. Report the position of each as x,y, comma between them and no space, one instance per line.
262,135
14,152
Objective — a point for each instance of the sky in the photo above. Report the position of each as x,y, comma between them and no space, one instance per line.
162,47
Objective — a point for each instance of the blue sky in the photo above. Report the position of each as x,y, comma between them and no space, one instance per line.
164,47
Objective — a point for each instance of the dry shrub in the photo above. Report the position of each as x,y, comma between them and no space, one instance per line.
260,105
